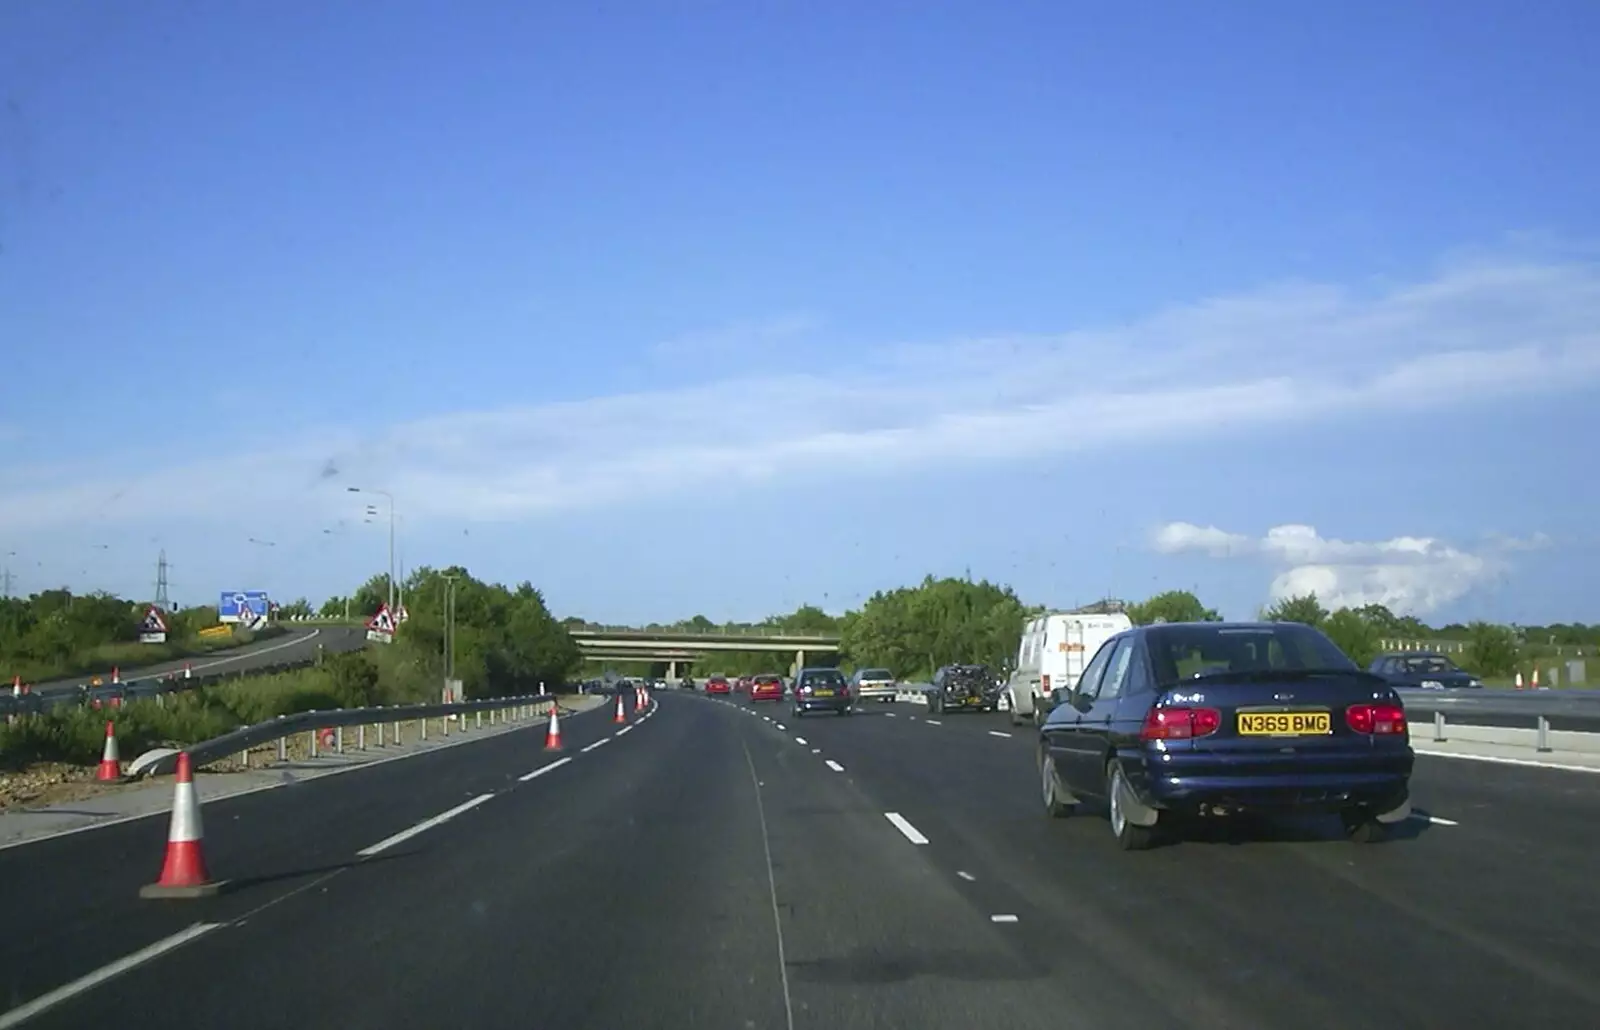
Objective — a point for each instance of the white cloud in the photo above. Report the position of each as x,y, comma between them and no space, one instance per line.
1473,334
1410,575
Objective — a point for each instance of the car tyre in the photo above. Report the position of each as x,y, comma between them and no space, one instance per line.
1054,807
1130,837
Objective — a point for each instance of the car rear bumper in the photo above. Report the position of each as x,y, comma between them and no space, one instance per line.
821,704
759,696
877,693
1380,782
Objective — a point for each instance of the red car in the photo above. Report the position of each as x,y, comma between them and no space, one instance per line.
717,685
766,688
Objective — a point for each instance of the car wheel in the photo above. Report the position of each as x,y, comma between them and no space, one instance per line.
1054,807
1130,837
1361,827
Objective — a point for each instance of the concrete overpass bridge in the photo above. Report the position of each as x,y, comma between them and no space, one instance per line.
600,643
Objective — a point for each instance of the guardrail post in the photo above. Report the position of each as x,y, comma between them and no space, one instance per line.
1438,727
398,737
283,749
244,758
361,737
422,727
444,725
479,719
1544,734
313,736
338,740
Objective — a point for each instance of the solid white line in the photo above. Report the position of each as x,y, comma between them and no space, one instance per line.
591,747
997,733
767,717
933,722
251,654
966,876
1436,820
50,999
903,824
1003,918
801,741
558,763
835,766
426,824
625,729
772,891
1527,763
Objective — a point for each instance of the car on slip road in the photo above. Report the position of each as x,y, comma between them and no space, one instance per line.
718,684
821,690
873,685
1423,670
767,687
1188,720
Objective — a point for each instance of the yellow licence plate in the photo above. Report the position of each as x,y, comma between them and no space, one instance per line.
1284,724
822,693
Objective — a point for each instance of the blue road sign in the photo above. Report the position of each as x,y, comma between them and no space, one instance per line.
237,604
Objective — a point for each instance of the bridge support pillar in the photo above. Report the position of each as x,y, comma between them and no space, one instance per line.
672,672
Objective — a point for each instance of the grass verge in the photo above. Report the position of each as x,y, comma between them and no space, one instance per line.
132,655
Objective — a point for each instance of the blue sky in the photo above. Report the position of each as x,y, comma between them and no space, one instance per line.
725,307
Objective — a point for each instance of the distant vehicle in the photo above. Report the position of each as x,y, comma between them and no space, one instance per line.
767,687
821,690
1424,671
718,684
1053,651
1216,719
962,688
873,685
742,684
687,683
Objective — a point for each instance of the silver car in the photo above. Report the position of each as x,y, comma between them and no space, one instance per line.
872,685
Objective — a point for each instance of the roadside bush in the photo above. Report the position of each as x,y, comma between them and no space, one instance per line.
1491,650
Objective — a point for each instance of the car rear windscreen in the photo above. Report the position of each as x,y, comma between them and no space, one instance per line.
876,674
1182,652
825,678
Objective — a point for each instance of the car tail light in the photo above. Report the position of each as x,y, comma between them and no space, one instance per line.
1044,683
1379,719
1180,723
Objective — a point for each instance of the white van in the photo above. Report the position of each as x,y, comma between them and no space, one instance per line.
1054,649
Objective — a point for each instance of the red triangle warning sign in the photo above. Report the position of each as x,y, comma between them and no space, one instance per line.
153,622
383,622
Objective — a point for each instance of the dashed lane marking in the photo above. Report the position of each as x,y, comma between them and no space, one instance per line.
901,823
835,766
558,763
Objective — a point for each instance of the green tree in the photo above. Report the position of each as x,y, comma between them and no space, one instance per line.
1172,606
1356,632
914,630
1491,650
1306,609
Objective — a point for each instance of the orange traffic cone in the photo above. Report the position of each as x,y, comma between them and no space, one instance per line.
1518,681
1534,683
621,713
116,675
552,736
183,873
188,673
110,765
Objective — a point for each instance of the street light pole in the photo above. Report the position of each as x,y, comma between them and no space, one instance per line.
450,626
390,497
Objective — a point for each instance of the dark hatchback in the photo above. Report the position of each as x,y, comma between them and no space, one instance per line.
1181,720
1423,671
821,690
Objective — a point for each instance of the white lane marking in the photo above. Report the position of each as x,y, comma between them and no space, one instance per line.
889,714
558,763
50,999
780,725
1527,763
1436,820
426,824
913,718
251,654
772,891
1003,918
816,751
966,876
625,729
997,733
933,722
591,747
903,824
835,766
801,741
767,717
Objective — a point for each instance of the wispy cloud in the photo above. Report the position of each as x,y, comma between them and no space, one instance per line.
1412,575
737,339
1474,332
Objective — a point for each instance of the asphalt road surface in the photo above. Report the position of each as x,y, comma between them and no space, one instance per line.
710,868
292,646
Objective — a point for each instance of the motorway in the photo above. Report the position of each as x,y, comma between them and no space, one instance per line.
712,868
293,646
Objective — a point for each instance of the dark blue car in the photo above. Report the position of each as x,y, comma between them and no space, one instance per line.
1423,670
1182,720
821,690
